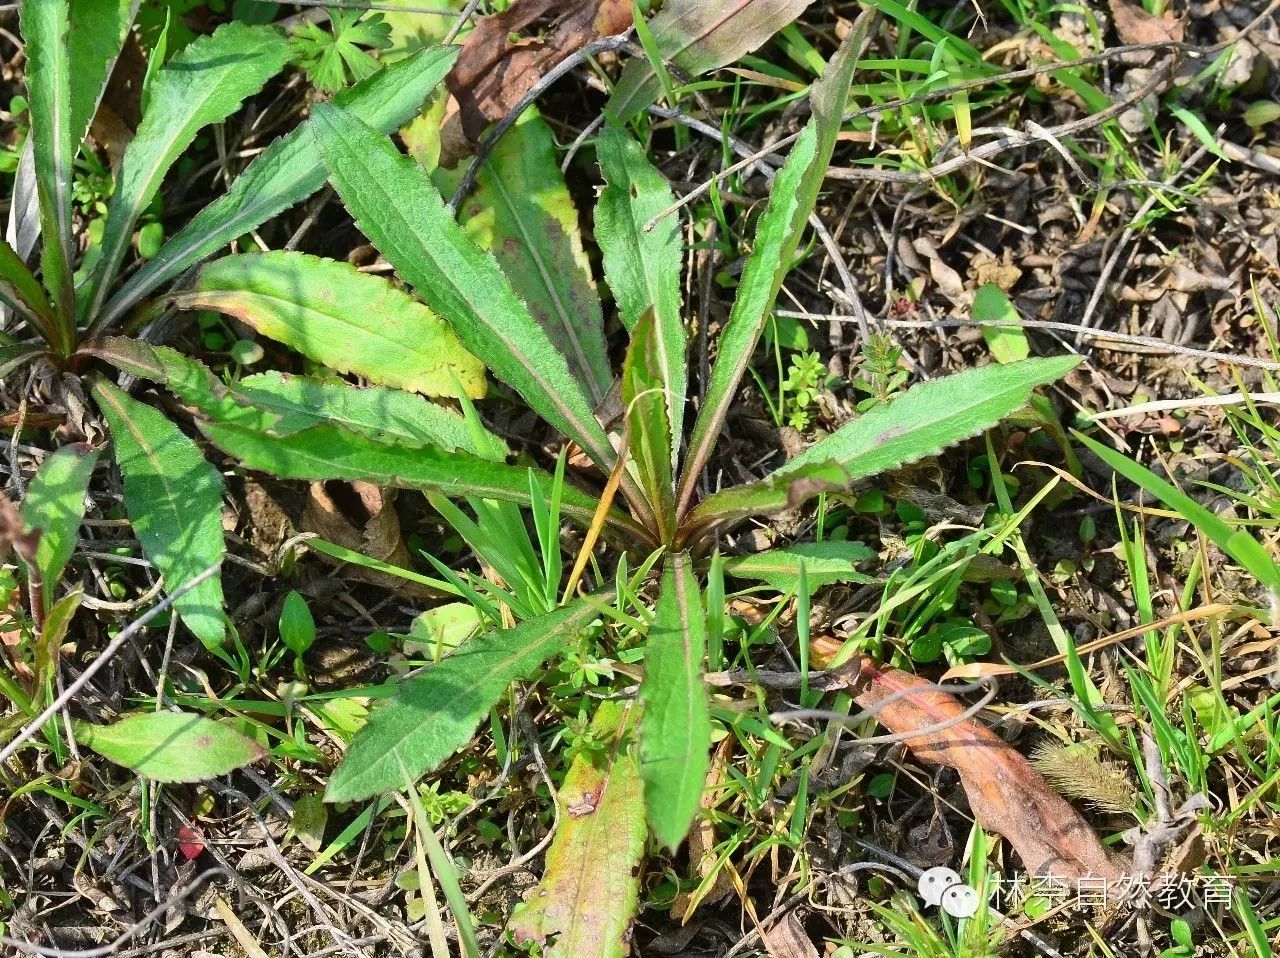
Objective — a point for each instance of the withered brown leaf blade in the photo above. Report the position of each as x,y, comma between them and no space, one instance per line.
1007,796
493,72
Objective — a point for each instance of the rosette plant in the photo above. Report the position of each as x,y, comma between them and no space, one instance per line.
547,344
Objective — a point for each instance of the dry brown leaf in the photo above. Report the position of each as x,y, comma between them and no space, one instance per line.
360,516
1006,795
787,939
493,72
1135,25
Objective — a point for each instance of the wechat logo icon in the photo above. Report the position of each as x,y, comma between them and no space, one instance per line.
943,888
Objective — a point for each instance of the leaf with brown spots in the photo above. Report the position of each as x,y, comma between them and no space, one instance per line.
585,902
1006,794
171,746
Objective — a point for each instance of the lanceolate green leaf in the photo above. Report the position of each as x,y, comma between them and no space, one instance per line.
1237,543
433,716
775,493
98,29
675,729
791,200
174,501
931,416
45,24
583,906
331,312
522,211
16,355
171,746
824,563
644,397
279,404
22,292
54,504
697,36
397,207
203,84
330,452
287,172
643,268
383,415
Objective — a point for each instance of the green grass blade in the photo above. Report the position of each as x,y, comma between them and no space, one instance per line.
1238,544
55,504
203,84
45,25
643,268
350,321
675,729
287,172
433,716
522,211
791,200
174,501
399,209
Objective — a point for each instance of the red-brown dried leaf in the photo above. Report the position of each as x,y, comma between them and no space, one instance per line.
493,72
1007,796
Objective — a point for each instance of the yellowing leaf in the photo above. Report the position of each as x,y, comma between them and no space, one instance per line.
331,312
584,904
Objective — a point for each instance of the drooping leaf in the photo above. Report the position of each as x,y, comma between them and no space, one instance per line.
697,36
773,494
98,29
203,84
16,355
1237,543
522,211
397,207
434,715
287,172
174,500
643,268
675,729
644,397
931,416
824,564
331,312
791,200
1008,344
583,906
55,505
22,292
171,746
331,452
45,24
